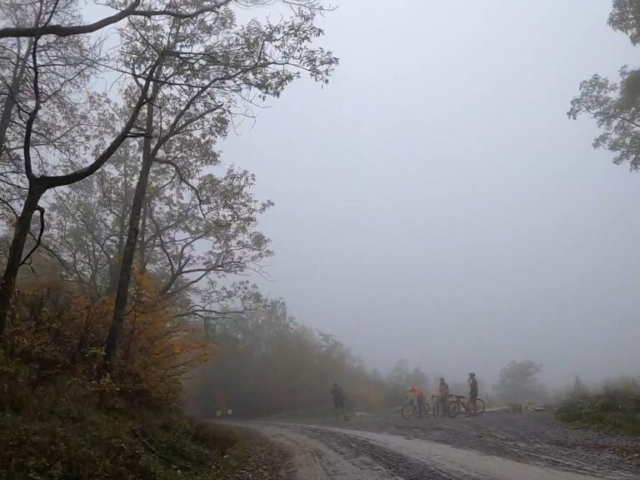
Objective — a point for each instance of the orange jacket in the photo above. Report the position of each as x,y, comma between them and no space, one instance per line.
417,392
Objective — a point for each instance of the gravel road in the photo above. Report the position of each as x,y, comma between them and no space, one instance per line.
499,446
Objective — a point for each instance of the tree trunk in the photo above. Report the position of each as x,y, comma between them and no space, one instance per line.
116,261
143,239
14,260
126,265
114,273
12,95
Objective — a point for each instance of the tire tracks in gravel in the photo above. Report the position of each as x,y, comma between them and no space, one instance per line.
534,439
321,453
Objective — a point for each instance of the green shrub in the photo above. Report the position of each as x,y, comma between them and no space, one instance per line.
67,431
613,410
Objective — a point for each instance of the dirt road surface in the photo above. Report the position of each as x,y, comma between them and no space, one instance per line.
491,446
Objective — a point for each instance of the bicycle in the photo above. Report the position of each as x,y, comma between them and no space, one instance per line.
458,404
436,406
410,409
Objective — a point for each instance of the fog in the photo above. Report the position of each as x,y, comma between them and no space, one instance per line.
219,210
434,203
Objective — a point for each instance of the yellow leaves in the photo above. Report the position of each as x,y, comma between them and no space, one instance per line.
56,329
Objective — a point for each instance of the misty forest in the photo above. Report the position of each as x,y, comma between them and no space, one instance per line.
233,232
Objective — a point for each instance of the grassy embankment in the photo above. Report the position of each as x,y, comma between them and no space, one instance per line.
615,409
74,431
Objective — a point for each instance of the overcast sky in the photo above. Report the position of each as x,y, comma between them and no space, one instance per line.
434,202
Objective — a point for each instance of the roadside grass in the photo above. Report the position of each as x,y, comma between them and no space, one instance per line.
612,411
62,417
72,431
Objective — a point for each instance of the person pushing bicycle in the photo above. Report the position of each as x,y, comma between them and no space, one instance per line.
421,400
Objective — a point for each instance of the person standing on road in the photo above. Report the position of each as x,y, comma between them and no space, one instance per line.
443,397
338,401
420,399
473,393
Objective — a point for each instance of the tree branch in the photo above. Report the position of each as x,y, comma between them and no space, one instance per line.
68,30
131,10
28,168
622,118
39,240
64,180
182,178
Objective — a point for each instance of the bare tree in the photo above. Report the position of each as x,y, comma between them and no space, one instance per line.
63,68
58,52
184,241
139,8
207,70
41,148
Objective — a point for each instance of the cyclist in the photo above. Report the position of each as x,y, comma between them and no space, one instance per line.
338,401
443,393
473,393
420,399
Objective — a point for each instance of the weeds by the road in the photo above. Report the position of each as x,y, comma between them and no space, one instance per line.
615,411
61,418
76,438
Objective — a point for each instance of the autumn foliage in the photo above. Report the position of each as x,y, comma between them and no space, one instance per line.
124,233
269,364
61,412
56,330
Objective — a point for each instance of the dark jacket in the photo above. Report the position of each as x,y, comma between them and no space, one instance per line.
473,383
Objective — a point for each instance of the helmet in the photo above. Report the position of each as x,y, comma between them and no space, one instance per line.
471,374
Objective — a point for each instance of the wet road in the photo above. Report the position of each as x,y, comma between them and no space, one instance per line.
373,451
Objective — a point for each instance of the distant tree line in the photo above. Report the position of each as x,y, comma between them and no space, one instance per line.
267,364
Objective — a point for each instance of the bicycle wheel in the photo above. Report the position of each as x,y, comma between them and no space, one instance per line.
479,406
408,410
454,409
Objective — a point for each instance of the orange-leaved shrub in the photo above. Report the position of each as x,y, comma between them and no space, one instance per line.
56,334
62,416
